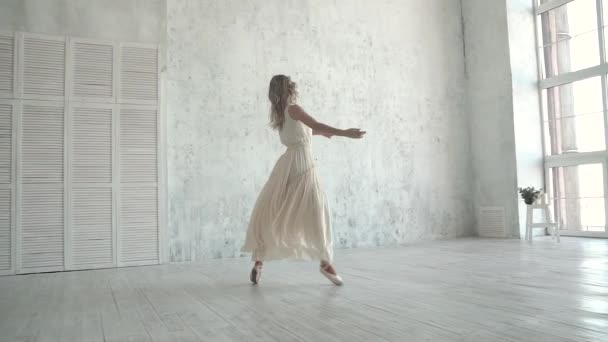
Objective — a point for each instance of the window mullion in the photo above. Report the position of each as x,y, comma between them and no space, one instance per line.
542,8
602,42
600,30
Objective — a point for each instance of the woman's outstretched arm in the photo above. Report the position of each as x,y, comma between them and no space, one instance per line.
327,135
297,113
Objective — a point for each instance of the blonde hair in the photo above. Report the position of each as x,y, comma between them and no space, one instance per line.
281,93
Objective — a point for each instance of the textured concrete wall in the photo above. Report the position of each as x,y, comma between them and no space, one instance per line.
395,68
502,100
490,106
118,20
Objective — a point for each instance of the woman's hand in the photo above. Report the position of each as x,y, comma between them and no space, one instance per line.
354,133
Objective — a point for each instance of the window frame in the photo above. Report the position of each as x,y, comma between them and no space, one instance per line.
601,70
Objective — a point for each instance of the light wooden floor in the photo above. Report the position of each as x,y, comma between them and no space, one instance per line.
459,290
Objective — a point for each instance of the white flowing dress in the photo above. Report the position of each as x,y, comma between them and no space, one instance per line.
291,217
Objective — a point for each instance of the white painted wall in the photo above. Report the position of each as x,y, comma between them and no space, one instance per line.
490,105
394,68
502,100
117,20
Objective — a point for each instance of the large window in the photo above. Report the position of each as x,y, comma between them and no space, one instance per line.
573,87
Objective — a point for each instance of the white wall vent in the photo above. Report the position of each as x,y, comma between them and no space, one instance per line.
492,222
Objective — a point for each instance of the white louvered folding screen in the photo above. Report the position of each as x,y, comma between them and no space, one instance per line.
42,229
7,109
138,226
41,153
6,141
7,64
138,145
43,67
92,235
93,70
91,144
79,125
138,220
6,255
42,142
91,163
42,186
138,74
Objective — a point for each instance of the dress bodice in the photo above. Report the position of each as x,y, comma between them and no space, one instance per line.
294,132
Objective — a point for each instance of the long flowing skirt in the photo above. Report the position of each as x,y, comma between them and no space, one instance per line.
291,217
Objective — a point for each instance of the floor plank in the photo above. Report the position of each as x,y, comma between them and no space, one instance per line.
454,290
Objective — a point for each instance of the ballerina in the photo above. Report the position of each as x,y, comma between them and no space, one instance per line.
291,217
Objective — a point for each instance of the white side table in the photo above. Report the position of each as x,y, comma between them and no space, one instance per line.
548,222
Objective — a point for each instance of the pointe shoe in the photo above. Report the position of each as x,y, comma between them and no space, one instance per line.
328,271
256,273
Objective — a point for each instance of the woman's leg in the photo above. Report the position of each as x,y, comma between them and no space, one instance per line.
256,272
328,271
328,267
